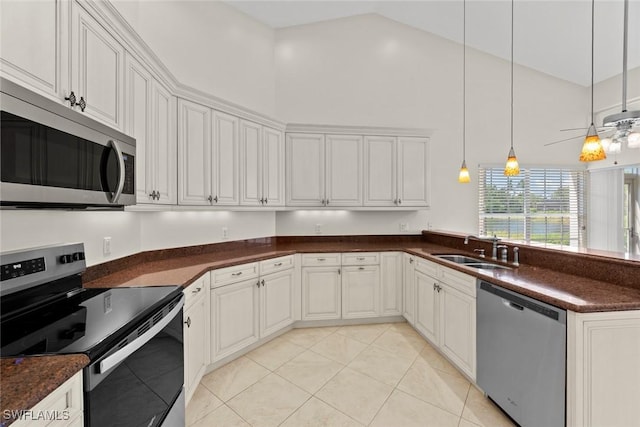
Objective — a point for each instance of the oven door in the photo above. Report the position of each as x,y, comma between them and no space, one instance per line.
139,382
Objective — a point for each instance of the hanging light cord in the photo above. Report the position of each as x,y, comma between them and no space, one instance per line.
464,79
511,74
624,55
592,50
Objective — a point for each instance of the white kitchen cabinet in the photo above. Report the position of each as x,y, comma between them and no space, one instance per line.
321,293
396,171
235,317
426,315
360,291
324,170
34,47
97,71
409,288
194,153
603,377
276,301
163,146
66,399
261,165
305,170
225,162
391,283
446,312
196,333
343,170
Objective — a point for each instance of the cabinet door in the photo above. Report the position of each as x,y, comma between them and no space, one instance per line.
321,294
234,318
194,153
360,291
164,143
273,167
276,302
458,328
413,171
408,272
138,88
380,171
426,316
305,170
195,340
250,164
97,69
33,51
343,170
391,283
226,171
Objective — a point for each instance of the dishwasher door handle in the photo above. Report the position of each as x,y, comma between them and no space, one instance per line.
512,305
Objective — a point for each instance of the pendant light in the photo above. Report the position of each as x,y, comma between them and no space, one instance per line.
463,176
592,148
512,168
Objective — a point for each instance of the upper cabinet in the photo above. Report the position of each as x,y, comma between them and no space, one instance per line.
225,164
324,170
396,171
34,45
261,165
97,68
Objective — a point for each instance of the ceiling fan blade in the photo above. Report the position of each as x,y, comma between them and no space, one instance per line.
564,140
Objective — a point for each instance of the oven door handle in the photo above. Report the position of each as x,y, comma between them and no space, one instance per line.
126,351
116,147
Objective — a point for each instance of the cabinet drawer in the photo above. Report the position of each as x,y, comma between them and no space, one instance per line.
361,258
196,290
460,281
276,264
314,260
225,276
427,267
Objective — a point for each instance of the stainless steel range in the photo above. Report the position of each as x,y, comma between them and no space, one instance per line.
132,336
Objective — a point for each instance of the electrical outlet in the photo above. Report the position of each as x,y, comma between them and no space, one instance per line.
225,233
403,226
318,228
106,246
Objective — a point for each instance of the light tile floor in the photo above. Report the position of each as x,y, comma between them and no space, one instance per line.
383,375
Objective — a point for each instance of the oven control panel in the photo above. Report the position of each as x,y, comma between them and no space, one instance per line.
21,268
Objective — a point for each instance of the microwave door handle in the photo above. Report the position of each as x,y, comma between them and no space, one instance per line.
116,147
126,351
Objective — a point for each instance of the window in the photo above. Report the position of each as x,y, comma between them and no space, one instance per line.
541,205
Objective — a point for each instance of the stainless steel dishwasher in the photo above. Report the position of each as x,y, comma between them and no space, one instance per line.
521,351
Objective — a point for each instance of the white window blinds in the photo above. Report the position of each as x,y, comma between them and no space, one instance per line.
543,205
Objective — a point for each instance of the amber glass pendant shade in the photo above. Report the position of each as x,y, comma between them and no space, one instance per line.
512,168
592,149
463,176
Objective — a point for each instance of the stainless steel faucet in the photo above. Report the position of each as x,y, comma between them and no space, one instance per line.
494,240
503,252
516,258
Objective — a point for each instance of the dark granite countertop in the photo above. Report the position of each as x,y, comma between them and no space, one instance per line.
568,291
26,381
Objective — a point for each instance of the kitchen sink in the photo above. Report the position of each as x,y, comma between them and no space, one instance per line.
471,262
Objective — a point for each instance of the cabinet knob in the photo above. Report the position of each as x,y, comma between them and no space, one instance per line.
258,284
215,199
262,281
361,258
196,290
261,201
360,268
210,199
399,201
71,98
410,260
266,201
82,103
188,322
157,195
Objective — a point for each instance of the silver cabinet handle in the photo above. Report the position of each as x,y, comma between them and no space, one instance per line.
277,264
188,322
237,274
116,194
196,290
133,346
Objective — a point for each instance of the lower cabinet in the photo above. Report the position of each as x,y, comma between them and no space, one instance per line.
250,309
446,312
65,402
391,283
360,291
321,293
196,333
409,288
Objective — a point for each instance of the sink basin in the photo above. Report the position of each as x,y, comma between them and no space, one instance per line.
471,262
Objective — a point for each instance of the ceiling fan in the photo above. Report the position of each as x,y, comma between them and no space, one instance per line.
624,126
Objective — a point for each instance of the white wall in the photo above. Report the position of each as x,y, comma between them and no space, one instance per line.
368,70
209,46
341,222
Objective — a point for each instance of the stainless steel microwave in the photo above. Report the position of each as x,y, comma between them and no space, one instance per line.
53,156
